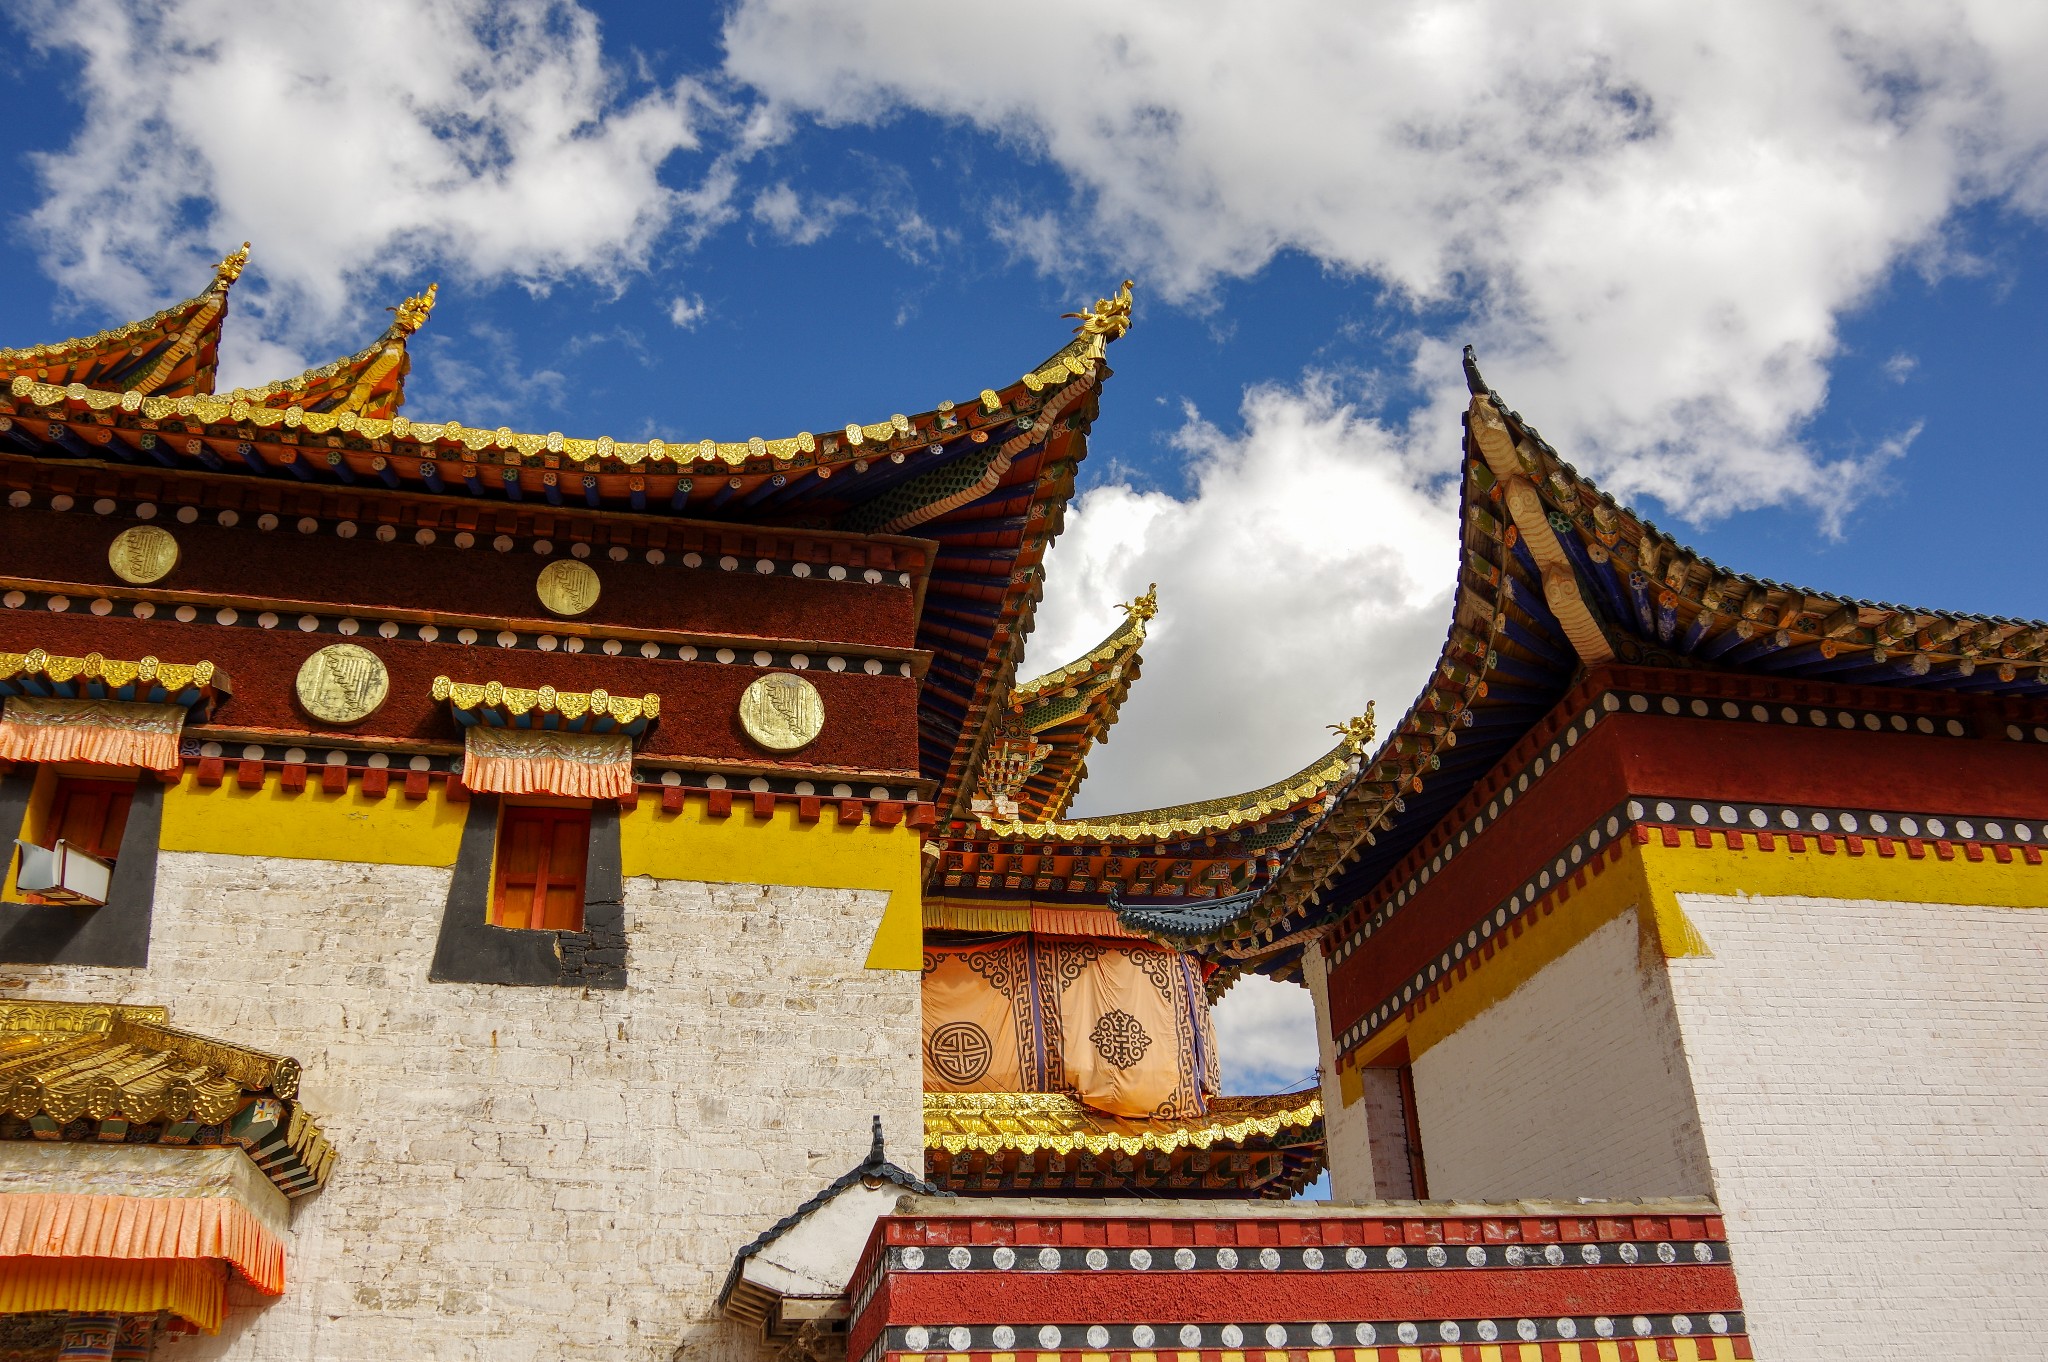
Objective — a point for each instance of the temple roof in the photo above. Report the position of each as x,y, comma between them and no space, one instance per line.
987,480
1103,875
170,354
1038,756
369,383
90,1071
991,1143
1556,576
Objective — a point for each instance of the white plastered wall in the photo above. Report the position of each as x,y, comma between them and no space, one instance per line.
1345,1128
1574,1085
530,1173
1873,1082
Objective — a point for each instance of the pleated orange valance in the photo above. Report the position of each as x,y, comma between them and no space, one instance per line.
547,761
131,1254
125,733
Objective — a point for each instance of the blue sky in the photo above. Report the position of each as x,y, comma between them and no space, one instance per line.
1776,275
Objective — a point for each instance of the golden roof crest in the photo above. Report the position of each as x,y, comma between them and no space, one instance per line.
1109,318
414,311
230,268
1145,607
1357,732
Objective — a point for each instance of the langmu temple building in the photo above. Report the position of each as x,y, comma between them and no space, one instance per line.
487,895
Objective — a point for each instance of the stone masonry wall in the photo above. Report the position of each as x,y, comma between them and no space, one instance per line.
1873,1082
530,1173
1574,1085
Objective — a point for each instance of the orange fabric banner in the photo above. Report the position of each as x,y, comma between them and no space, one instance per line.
977,1019
1127,1027
547,762
103,732
1080,922
73,1225
195,1290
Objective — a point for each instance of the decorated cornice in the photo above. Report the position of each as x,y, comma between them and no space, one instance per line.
146,356
197,686
368,384
126,1075
1037,758
1320,779
500,705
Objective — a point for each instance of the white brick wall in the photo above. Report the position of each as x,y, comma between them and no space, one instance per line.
1574,1085
1873,1082
531,1173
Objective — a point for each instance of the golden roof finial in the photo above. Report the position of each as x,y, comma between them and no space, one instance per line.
230,269
1145,607
1357,732
414,311
1109,318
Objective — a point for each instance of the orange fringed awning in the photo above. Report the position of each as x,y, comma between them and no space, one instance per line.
95,1233
103,732
547,762
193,1289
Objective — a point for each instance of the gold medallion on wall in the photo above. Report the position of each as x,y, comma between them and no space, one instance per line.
782,712
568,587
142,554
343,683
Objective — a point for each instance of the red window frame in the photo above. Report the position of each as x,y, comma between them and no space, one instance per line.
89,815
542,855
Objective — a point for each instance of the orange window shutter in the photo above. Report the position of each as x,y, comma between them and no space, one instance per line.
91,815
540,868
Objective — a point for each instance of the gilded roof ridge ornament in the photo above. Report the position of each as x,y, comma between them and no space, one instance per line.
412,314
1357,732
1145,606
230,268
1108,319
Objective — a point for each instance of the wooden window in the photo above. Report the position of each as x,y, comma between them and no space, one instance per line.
90,815
541,854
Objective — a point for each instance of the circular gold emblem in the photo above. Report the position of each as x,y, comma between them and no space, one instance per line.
143,554
782,712
343,684
567,587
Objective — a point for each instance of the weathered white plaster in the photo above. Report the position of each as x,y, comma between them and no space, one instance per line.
1873,1083
530,1173
1574,1085
1350,1141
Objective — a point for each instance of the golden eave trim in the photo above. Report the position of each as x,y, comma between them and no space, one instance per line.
572,705
1314,781
115,672
1080,358
1029,1122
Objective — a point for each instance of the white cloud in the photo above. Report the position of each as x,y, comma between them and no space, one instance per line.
1267,1033
686,310
784,212
1649,216
1307,571
1900,367
353,154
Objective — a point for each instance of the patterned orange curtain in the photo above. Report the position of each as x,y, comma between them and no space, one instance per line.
978,1034
548,762
104,732
1128,1027
1123,1026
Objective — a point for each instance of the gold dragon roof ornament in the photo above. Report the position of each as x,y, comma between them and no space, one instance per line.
412,314
1145,606
1106,321
231,266
1357,732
